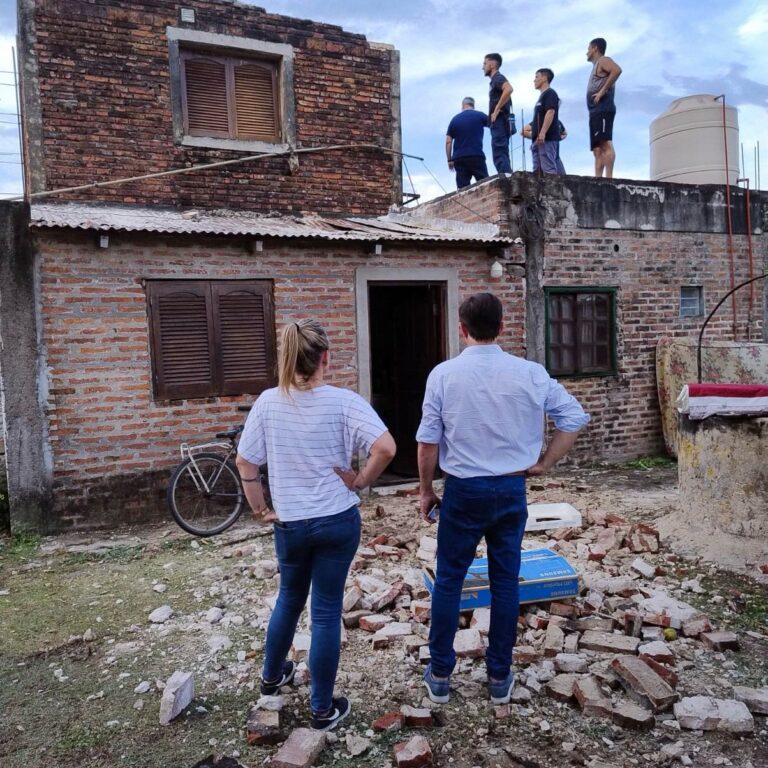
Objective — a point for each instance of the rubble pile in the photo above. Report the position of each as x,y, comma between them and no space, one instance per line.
618,652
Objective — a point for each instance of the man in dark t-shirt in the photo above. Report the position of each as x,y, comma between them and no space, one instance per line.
498,112
464,144
545,132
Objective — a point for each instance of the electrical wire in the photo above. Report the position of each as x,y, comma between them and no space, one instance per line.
218,164
456,200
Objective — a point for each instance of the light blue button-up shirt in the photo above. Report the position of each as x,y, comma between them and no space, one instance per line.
485,409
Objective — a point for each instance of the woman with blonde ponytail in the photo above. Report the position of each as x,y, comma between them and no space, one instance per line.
308,432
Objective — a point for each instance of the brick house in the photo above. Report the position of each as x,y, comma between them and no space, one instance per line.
139,315
103,281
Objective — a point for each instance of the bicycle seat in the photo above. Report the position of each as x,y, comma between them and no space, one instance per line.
230,434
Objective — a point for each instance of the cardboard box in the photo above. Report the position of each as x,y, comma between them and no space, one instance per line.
544,576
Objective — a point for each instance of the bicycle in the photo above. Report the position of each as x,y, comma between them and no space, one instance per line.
205,494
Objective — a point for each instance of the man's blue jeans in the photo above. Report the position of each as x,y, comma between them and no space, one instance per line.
500,144
494,507
315,552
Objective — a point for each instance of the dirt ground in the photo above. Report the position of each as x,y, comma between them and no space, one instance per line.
69,702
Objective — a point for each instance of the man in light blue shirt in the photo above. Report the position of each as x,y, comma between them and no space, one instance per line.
483,416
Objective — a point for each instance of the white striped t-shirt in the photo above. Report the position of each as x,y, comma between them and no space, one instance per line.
302,437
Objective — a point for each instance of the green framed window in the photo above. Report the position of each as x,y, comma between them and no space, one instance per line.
580,331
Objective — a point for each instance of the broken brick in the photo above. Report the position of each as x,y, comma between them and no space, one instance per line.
703,713
567,662
523,655
606,642
756,699
481,620
658,650
352,619
382,538
421,610
468,643
629,715
593,702
696,626
640,680
351,598
560,687
302,748
373,623
721,641
665,673
413,753
416,717
391,721
263,727
553,640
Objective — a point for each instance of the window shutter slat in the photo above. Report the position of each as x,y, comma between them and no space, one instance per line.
207,112
245,337
182,342
256,103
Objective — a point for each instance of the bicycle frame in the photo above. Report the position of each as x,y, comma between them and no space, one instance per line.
188,452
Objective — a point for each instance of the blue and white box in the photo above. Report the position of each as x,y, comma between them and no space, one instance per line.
544,576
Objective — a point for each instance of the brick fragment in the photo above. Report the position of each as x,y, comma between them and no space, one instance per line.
300,648
468,643
560,687
756,699
658,650
553,640
721,641
302,748
481,620
391,721
567,662
263,727
640,680
606,642
596,623
566,609
523,655
629,715
374,622
702,713
416,717
633,623
421,610
593,702
413,753
665,673
352,619
696,626
351,598
643,567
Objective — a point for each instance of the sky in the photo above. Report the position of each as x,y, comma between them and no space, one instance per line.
666,50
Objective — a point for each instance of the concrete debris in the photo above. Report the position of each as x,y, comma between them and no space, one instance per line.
481,620
142,687
214,615
567,662
357,745
161,615
704,713
643,568
756,699
413,753
178,693
300,648
721,641
301,749
468,643
219,643
561,687
628,715
271,703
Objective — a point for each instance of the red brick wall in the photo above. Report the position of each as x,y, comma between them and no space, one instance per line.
112,444
648,269
106,109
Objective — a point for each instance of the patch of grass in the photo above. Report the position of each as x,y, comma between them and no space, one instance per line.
24,544
120,554
651,462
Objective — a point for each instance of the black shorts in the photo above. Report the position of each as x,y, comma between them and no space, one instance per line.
600,128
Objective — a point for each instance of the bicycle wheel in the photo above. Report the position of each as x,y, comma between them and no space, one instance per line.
205,512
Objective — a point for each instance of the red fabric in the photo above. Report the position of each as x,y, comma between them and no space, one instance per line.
727,390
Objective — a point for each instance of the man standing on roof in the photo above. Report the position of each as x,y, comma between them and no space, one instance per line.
545,131
601,106
483,419
464,144
498,112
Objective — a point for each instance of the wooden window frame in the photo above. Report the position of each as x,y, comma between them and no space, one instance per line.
611,368
217,384
231,62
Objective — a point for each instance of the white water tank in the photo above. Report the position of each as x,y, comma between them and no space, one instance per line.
687,142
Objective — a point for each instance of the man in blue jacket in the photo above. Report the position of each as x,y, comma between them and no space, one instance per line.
464,144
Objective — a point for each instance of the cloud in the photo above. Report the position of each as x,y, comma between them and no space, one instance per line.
756,26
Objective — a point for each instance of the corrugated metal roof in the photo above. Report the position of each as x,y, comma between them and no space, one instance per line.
392,227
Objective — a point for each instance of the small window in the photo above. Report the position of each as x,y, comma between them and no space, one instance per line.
211,338
691,301
581,331
230,98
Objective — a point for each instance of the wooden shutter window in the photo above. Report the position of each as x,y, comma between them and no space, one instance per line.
244,337
256,102
180,316
207,110
211,338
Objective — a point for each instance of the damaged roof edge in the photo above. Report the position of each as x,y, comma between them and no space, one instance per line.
392,227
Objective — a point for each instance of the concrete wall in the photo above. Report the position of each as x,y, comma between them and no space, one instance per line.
28,460
112,443
98,101
645,239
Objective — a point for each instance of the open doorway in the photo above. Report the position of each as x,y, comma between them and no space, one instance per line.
407,326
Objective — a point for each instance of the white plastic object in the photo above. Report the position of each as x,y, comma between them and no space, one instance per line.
543,517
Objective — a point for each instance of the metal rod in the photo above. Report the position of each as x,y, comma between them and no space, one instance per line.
749,258
729,217
712,313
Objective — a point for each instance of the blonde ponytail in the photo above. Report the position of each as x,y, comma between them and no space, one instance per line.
301,349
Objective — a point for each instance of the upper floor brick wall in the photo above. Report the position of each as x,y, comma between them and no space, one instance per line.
98,92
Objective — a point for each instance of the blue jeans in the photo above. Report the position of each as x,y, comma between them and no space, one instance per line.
314,552
494,507
467,167
500,144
